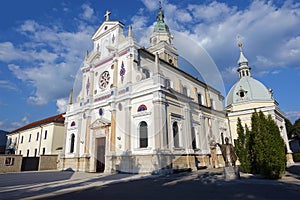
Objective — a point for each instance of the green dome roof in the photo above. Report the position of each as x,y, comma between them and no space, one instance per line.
248,89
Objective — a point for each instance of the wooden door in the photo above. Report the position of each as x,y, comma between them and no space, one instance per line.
100,144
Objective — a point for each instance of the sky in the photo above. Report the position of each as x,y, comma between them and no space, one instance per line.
43,43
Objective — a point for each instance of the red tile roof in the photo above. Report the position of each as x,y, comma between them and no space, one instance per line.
57,118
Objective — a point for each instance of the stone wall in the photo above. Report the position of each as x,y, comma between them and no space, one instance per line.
76,164
48,162
10,163
157,164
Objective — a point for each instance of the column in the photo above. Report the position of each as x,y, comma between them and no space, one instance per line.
128,122
87,136
112,138
187,130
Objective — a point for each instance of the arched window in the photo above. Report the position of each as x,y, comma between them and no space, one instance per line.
142,108
175,134
194,144
72,143
143,134
73,123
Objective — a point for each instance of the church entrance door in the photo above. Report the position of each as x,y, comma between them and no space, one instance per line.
100,143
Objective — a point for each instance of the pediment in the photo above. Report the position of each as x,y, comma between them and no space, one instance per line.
106,27
95,57
99,123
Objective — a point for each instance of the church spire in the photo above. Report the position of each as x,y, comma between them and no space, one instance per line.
244,69
161,40
160,15
161,26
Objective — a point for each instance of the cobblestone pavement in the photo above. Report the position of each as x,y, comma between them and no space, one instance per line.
208,183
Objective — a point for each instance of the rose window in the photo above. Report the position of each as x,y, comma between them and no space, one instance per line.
104,80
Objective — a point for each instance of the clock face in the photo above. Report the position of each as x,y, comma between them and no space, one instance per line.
104,80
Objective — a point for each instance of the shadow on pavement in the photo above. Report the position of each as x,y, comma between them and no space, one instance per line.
28,178
204,185
295,170
48,182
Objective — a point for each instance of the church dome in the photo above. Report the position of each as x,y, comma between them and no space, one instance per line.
247,88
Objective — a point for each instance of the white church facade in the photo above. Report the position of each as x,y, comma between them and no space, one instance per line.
138,112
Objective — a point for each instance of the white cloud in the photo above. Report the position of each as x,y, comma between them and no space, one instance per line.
5,84
10,53
25,120
151,5
29,26
271,38
270,33
87,12
215,11
293,115
62,105
54,56
7,125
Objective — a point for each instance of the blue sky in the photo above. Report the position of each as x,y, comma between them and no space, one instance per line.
43,43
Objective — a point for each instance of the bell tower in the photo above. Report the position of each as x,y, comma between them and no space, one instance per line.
161,41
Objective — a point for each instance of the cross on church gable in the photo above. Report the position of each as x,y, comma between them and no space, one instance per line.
107,15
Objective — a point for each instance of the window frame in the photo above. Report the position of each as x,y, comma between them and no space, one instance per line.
143,136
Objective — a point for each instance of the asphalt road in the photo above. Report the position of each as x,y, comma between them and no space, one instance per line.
202,184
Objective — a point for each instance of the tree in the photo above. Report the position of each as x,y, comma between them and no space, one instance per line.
275,160
261,149
295,131
241,147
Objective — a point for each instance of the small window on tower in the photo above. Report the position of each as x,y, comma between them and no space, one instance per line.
154,40
242,94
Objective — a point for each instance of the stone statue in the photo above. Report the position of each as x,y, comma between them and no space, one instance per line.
228,153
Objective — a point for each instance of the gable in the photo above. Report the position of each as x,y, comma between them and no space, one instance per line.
106,27
99,123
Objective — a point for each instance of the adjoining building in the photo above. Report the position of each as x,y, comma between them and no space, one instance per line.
138,112
248,95
40,138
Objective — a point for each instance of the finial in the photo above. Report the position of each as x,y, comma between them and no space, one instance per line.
86,54
71,97
130,31
240,44
160,15
107,15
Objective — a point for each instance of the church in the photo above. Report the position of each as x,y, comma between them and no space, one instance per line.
138,112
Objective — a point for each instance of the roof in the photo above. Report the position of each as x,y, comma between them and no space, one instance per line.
57,118
248,89
187,75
